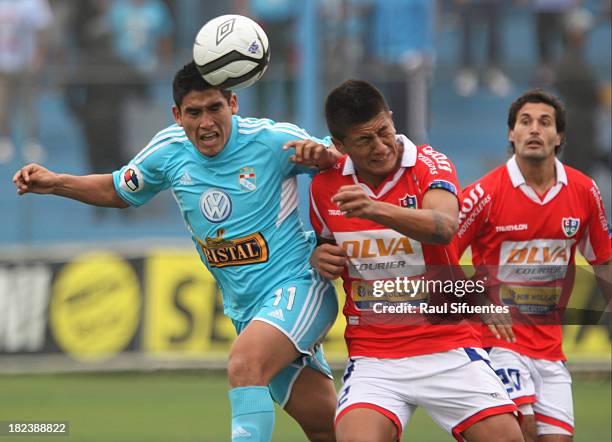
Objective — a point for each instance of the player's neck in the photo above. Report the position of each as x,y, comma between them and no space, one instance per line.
539,175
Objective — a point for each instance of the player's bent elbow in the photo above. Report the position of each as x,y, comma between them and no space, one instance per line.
122,205
444,231
453,227
115,201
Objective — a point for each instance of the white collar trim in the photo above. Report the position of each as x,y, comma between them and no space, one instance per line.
518,180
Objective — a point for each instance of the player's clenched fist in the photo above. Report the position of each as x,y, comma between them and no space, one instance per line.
329,260
34,178
354,202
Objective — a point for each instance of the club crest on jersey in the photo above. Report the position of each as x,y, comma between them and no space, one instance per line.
216,205
131,180
246,179
570,226
408,201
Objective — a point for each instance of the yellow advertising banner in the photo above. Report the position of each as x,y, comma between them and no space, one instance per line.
165,304
94,306
184,313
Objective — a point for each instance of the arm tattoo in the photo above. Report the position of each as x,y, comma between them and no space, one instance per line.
438,236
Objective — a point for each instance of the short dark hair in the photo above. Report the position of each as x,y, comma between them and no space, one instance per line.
188,79
538,96
353,102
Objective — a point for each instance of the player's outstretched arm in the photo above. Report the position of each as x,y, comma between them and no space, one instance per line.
97,190
435,223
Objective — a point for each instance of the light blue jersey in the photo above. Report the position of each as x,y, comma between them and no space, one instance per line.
240,206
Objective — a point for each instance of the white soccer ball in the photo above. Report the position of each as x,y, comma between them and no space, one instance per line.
231,51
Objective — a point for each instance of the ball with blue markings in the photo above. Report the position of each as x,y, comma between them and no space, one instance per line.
231,52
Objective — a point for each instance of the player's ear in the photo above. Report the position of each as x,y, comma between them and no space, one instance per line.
176,112
559,139
234,104
339,145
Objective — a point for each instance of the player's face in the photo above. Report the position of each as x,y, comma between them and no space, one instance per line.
372,147
206,117
535,132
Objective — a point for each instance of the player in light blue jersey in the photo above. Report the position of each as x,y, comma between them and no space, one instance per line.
234,180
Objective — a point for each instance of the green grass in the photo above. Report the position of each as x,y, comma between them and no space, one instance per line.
187,406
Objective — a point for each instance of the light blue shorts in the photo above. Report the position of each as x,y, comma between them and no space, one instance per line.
303,308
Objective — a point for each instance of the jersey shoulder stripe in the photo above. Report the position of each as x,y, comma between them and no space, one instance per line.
275,129
173,134
158,146
253,122
255,126
166,137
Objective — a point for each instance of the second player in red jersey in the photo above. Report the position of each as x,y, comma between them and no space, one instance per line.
524,222
388,211
378,252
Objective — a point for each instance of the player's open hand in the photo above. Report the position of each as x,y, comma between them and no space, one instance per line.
312,154
354,202
500,324
34,178
329,260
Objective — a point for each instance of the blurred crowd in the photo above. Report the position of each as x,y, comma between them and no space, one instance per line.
104,55
100,52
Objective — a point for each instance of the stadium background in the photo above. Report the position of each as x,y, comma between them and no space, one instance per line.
93,303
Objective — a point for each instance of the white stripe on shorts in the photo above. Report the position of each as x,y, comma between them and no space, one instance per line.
314,309
311,300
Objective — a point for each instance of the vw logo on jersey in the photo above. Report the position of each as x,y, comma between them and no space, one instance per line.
216,205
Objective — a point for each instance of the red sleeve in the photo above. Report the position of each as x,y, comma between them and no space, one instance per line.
472,214
316,218
434,170
595,244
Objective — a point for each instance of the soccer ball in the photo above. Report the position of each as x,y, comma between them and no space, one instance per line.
231,51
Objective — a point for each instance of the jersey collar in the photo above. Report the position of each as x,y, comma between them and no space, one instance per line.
408,157
518,180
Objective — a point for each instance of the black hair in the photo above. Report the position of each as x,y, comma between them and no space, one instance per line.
538,96
188,79
353,102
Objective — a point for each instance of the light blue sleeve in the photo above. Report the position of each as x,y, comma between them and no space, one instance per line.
279,134
142,178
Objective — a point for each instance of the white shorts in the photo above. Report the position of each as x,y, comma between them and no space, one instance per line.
539,387
457,388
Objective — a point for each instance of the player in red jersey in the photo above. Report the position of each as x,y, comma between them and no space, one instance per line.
388,210
524,221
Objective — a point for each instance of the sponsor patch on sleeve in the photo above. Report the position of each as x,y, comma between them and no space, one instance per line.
131,179
443,184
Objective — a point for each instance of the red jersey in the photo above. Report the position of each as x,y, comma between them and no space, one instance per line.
526,245
377,252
